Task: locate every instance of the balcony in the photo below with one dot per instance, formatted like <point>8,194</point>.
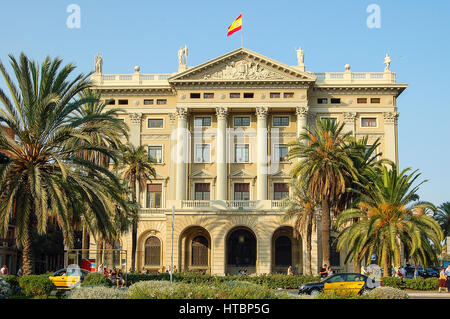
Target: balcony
<point>355,78</point>
<point>225,205</point>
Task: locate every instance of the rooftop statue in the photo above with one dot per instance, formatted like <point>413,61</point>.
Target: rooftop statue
<point>387,61</point>
<point>98,66</point>
<point>300,56</point>
<point>182,56</point>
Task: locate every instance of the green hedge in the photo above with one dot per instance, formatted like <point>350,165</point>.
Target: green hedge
<point>180,290</point>
<point>272,281</point>
<point>13,282</point>
<point>413,284</point>
<point>96,279</point>
<point>37,286</point>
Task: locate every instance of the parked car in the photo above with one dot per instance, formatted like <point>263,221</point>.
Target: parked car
<point>346,282</point>
<point>68,278</point>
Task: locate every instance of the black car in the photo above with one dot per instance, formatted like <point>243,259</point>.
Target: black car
<point>341,281</point>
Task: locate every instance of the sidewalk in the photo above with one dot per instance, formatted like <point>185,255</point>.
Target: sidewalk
<point>414,294</point>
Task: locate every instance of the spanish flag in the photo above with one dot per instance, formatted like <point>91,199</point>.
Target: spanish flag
<point>235,26</point>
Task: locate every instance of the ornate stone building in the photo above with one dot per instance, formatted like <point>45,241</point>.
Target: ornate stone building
<point>218,134</point>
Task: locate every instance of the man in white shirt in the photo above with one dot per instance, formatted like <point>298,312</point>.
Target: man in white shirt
<point>100,269</point>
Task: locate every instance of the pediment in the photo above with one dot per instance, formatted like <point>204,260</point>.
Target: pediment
<point>280,174</point>
<point>241,174</point>
<point>242,65</point>
<point>202,174</point>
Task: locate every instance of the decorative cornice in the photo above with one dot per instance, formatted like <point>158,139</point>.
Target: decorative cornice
<point>262,112</point>
<point>222,113</point>
<point>391,117</point>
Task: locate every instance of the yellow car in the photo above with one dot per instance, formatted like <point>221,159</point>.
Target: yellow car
<point>350,283</point>
<point>68,278</point>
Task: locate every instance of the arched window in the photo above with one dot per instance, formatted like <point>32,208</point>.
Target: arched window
<point>335,256</point>
<point>283,251</point>
<point>199,251</point>
<point>152,251</point>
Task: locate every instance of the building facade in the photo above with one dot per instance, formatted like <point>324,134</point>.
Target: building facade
<point>218,134</point>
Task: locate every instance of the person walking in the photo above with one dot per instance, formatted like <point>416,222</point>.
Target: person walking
<point>447,273</point>
<point>442,280</point>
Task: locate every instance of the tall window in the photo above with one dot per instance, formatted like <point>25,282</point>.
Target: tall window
<point>241,153</point>
<point>242,121</point>
<point>281,121</point>
<point>280,191</point>
<point>199,251</point>
<point>202,191</point>
<point>368,122</point>
<point>335,257</point>
<point>154,194</point>
<point>155,154</point>
<point>155,123</point>
<point>281,152</point>
<point>202,121</point>
<point>241,191</point>
<point>152,251</point>
<point>202,153</point>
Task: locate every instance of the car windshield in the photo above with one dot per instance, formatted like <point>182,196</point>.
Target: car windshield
<point>336,278</point>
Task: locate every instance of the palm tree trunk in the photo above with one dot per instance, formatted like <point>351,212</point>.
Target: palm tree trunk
<point>356,265</point>
<point>134,228</point>
<point>387,261</point>
<point>27,253</point>
<point>85,243</point>
<point>326,225</point>
<point>309,245</point>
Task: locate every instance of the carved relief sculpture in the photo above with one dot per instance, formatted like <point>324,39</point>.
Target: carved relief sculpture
<point>244,70</point>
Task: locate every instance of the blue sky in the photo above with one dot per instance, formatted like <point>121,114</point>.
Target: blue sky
<point>332,34</point>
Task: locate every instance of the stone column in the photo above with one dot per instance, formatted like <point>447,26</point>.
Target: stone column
<point>302,119</point>
<point>135,129</point>
<point>390,136</point>
<point>349,122</point>
<point>221,153</point>
<point>182,153</point>
<point>172,120</point>
<point>261,157</point>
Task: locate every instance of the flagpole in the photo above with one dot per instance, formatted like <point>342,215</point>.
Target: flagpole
<point>242,32</point>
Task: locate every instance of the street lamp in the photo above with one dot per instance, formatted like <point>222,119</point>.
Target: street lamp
<point>4,159</point>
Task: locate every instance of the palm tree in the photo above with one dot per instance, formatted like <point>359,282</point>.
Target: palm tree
<point>323,168</point>
<point>113,130</point>
<point>300,207</point>
<point>389,217</point>
<point>45,176</point>
<point>365,158</point>
<point>442,216</point>
<point>136,167</point>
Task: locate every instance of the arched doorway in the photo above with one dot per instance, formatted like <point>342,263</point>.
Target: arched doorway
<point>286,251</point>
<point>241,251</point>
<point>152,252</point>
<point>195,250</point>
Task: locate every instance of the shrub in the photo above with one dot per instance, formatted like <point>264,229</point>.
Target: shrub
<point>5,289</point>
<point>422,283</point>
<point>96,279</point>
<point>13,282</point>
<point>273,281</point>
<point>393,282</point>
<point>37,286</point>
<point>98,292</point>
<point>387,293</point>
<point>340,295</point>
<point>180,290</point>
